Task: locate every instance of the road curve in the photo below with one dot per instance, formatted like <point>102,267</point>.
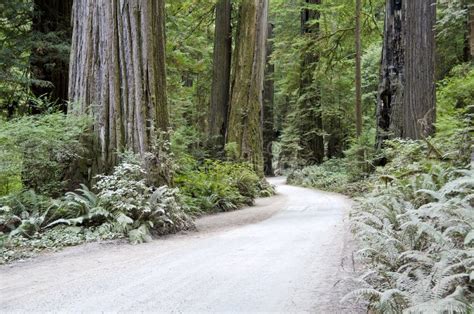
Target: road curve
<point>287,254</point>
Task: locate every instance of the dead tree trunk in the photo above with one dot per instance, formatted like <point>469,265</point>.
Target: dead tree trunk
<point>49,64</point>
<point>245,115</point>
<point>220,92</point>
<point>268,103</point>
<point>406,102</point>
<point>117,74</point>
<point>311,125</point>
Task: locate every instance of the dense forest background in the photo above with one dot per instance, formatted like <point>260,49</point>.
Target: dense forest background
<point>160,111</point>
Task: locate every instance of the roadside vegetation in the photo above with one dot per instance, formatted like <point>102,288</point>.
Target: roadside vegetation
<point>414,216</point>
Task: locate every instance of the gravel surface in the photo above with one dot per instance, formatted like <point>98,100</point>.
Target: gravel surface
<point>289,253</point>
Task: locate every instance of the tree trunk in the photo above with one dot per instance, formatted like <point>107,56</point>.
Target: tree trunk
<point>117,74</point>
<point>471,30</point>
<point>245,115</point>
<point>358,70</point>
<point>268,103</point>
<point>311,123</point>
<point>406,102</point>
<point>220,92</point>
<point>49,64</point>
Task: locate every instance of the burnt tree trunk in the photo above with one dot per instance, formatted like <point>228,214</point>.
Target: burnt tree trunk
<point>220,91</point>
<point>49,60</point>
<point>311,123</point>
<point>268,103</point>
<point>117,74</point>
<point>406,102</point>
<point>246,105</point>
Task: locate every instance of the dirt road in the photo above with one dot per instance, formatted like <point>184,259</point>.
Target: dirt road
<point>287,254</point>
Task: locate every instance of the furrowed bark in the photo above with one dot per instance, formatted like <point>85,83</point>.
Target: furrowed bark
<point>268,103</point>
<point>245,115</point>
<point>406,102</point>
<point>220,92</point>
<point>117,74</point>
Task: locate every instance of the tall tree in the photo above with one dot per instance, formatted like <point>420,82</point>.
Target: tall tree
<point>49,58</point>
<point>406,102</point>
<point>470,25</point>
<point>268,104</point>
<point>311,122</point>
<point>358,71</point>
<point>245,115</point>
<point>117,73</point>
<point>220,92</point>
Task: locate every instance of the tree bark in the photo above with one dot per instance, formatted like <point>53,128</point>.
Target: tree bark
<point>49,64</point>
<point>220,92</point>
<point>311,124</point>
<point>268,103</point>
<point>118,75</point>
<point>358,70</point>
<point>471,31</point>
<point>245,115</point>
<point>406,102</point>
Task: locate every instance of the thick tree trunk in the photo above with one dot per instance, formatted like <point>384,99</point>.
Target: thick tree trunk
<point>245,115</point>
<point>268,103</point>
<point>117,73</point>
<point>49,64</point>
<point>220,92</point>
<point>311,124</point>
<point>406,104</point>
<point>358,70</point>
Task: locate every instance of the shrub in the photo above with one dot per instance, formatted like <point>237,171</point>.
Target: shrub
<point>418,244</point>
<point>215,186</point>
<point>126,204</point>
<point>330,176</point>
<point>38,152</point>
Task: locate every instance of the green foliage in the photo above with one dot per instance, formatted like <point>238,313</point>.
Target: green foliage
<point>331,93</point>
<point>216,186</point>
<point>416,238</point>
<point>39,151</point>
<point>451,33</point>
<point>330,176</point>
<point>127,204</point>
<point>15,42</point>
<point>455,97</point>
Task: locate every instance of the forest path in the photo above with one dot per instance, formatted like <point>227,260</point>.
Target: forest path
<point>287,254</point>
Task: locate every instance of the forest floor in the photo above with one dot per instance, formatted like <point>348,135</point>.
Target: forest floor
<point>289,253</point>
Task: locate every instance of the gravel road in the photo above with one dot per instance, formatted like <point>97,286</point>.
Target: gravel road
<point>287,254</point>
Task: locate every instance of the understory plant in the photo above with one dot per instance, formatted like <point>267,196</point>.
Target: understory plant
<point>122,204</point>
<point>217,186</point>
<point>38,152</point>
<point>415,229</point>
<point>127,204</point>
<point>418,241</point>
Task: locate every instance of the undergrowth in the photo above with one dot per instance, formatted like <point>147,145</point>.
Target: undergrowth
<point>218,186</point>
<point>123,205</point>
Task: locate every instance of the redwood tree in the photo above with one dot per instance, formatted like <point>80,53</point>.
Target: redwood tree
<point>406,102</point>
<point>117,74</point>
<point>311,122</point>
<point>268,103</point>
<point>245,115</point>
<point>49,58</point>
<point>220,92</point>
